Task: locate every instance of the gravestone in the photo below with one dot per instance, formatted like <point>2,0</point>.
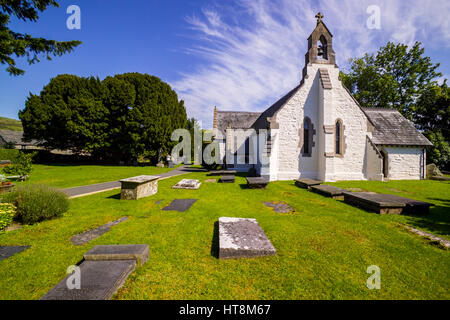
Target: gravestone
<point>104,270</point>
<point>223,173</point>
<point>188,184</point>
<point>227,179</point>
<point>85,237</point>
<point>329,191</point>
<point>181,205</point>
<point>386,203</point>
<point>257,182</point>
<point>307,183</point>
<point>139,187</point>
<point>242,238</point>
<point>138,252</point>
<point>279,207</point>
<point>8,251</point>
<point>99,281</point>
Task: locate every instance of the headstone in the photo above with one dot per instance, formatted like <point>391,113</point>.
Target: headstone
<point>243,238</point>
<point>257,182</point>
<point>189,184</point>
<point>85,237</point>
<point>8,251</point>
<point>279,207</point>
<point>227,179</point>
<point>329,191</point>
<point>386,203</point>
<point>138,252</point>
<point>307,183</point>
<point>139,187</point>
<point>181,205</point>
<point>433,171</point>
<point>99,281</point>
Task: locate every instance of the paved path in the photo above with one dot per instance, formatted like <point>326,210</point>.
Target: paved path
<point>106,186</point>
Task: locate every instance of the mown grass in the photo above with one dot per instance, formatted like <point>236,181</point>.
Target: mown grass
<point>10,124</point>
<point>323,249</point>
<point>68,176</point>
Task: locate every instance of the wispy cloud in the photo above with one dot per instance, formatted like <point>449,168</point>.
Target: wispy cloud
<point>254,49</point>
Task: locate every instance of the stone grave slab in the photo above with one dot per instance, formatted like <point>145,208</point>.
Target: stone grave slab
<point>138,187</point>
<point>307,183</point>
<point>223,173</point>
<point>279,207</point>
<point>329,191</point>
<point>242,238</point>
<point>188,184</point>
<point>181,205</point>
<point>85,237</point>
<point>99,281</point>
<point>257,182</point>
<point>227,179</point>
<point>386,203</point>
<point>210,181</point>
<point>138,252</point>
<point>8,251</point>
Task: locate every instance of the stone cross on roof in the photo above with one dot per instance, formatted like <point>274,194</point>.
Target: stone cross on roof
<point>319,17</point>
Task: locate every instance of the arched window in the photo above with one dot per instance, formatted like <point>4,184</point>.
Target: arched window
<point>339,136</point>
<point>307,137</point>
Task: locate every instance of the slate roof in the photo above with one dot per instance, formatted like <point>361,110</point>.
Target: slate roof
<point>236,120</point>
<point>15,137</point>
<point>391,128</point>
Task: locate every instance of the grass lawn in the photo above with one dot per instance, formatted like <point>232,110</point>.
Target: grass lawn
<point>67,176</point>
<point>323,249</point>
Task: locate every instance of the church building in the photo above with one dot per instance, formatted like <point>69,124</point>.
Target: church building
<point>319,131</point>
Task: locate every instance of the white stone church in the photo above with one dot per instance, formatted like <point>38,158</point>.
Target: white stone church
<point>319,131</point>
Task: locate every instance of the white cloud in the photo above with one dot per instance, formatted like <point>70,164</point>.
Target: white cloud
<point>254,49</point>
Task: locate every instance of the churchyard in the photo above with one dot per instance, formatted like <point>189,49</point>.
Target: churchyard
<point>322,247</point>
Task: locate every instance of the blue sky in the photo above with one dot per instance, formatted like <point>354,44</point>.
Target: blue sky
<point>233,54</point>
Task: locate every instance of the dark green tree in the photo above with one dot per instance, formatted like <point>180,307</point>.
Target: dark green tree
<point>68,114</point>
<point>395,77</point>
<point>120,118</point>
<point>24,45</point>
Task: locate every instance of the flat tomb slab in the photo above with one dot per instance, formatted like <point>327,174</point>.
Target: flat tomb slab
<point>329,191</point>
<point>85,237</point>
<point>227,179</point>
<point>223,173</point>
<point>307,183</point>
<point>181,205</point>
<point>138,252</point>
<point>386,203</point>
<point>8,251</point>
<point>257,182</point>
<point>138,187</point>
<point>279,207</point>
<point>242,238</point>
<point>189,184</point>
<point>99,281</point>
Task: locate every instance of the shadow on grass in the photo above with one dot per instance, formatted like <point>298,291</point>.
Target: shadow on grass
<point>437,221</point>
<point>215,241</point>
<point>115,196</point>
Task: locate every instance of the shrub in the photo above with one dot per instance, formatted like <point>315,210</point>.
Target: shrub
<point>9,154</point>
<point>7,213</point>
<point>36,203</point>
<point>21,166</point>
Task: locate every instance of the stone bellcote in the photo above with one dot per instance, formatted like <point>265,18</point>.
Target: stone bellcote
<point>320,45</point>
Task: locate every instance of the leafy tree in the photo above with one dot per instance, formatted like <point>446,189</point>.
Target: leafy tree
<point>395,77</point>
<point>68,114</point>
<point>20,45</point>
<point>120,118</point>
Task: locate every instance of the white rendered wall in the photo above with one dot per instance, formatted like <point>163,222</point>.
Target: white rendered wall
<point>404,163</point>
